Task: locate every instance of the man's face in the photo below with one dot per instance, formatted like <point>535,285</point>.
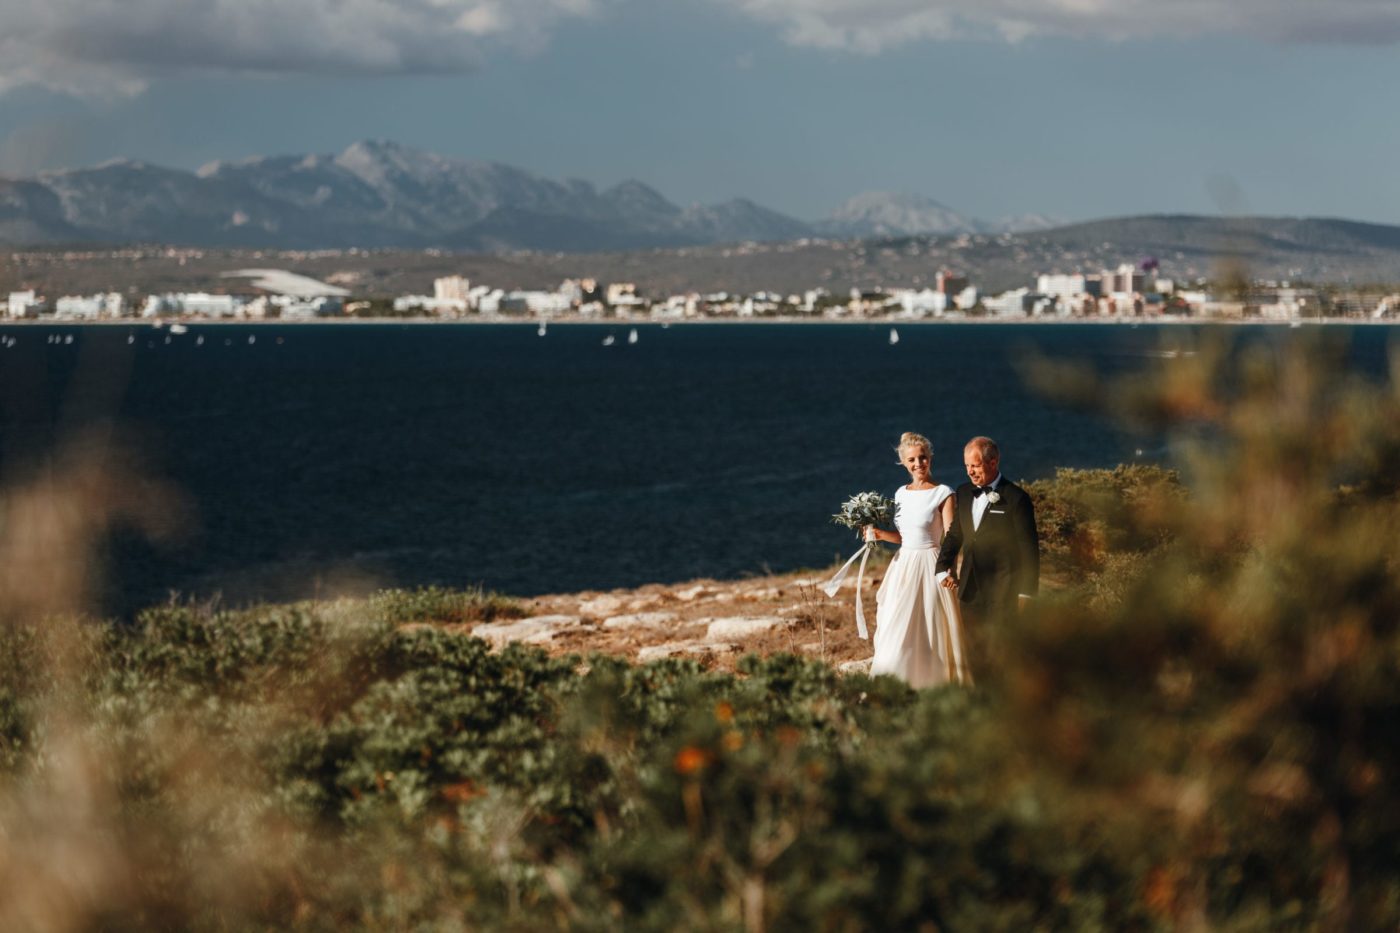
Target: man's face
<point>980,471</point>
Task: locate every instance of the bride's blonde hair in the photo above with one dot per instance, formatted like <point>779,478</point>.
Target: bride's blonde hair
<point>910,439</point>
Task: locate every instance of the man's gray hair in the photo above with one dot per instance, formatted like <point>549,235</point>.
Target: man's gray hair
<point>984,446</point>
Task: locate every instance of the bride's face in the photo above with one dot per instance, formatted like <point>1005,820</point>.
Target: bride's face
<point>918,462</point>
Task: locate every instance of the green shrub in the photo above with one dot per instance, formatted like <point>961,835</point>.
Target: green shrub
<point>1199,729</point>
<point>436,604</point>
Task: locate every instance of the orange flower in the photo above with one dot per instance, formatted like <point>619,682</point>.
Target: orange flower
<point>733,741</point>
<point>691,759</point>
<point>724,712</point>
<point>1159,892</point>
<point>461,793</point>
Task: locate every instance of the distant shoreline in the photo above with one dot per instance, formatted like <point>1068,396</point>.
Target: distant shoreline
<point>704,322</point>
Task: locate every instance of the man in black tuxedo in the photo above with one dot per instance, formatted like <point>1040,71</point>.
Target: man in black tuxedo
<point>994,531</point>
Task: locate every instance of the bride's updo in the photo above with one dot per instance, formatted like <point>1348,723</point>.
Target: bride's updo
<point>910,439</point>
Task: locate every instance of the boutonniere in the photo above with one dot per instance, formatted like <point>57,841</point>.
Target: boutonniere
<point>993,497</point>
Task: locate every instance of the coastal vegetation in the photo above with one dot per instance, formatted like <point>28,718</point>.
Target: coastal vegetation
<point>1197,726</point>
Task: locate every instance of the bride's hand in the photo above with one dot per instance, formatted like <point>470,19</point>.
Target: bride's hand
<point>870,534</point>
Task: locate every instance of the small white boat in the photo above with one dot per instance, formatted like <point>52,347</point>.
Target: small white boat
<point>894,336</point>
<point>179,329</point>
<point>609,340</point>
<point>632,335</point>
<point>544,328</point>
<point>199,341</point>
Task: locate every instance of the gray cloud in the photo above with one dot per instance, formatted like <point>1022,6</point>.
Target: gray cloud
<point>118,46</point>
<point>872,25</point>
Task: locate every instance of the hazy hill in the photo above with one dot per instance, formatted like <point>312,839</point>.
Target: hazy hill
<point>1187,247</point>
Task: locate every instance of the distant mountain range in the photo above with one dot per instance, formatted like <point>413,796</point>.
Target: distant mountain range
<point>381,194</point>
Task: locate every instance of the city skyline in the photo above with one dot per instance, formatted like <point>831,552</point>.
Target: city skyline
<point>993,110</point>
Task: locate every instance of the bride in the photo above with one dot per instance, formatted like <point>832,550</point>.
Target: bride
<point>918,626</point>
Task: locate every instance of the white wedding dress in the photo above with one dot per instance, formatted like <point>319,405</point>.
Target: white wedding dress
<point>918,625</point>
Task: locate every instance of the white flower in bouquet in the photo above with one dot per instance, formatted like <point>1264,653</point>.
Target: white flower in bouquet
<point>865,508</point>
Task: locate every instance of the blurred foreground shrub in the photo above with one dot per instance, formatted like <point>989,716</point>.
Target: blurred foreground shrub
<point>1200,729</point>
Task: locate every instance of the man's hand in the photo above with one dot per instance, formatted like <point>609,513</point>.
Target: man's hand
<point>950,582</point>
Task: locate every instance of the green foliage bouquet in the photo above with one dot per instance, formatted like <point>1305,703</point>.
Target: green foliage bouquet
<point>865,508</point>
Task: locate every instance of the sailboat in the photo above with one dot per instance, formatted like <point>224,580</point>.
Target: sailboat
<point>544,328</point>
<point>609,340</point>
<point>632,335</point>
<point>894,336</point>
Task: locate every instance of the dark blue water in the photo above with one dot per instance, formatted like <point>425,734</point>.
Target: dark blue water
<point>319,459</point>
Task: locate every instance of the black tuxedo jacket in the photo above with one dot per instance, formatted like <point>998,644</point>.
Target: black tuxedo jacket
<point>1001,557</point>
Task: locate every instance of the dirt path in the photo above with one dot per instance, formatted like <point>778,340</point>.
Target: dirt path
<point>713,622</point>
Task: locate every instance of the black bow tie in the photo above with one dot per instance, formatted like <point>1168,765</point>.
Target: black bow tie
<point>981,491</point>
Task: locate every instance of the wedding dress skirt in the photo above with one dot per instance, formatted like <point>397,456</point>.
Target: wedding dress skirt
<point>918,624</point>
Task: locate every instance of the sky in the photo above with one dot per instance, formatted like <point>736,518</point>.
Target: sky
<point>1075,109</point>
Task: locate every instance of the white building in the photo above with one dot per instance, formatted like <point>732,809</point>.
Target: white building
<point>202,304</point>
<point>488,303</point>
<point>90,307</point>
<point>968,298</point>
<point>1069,286</point>
<point>1015,303</point>
<point>623,293</point>
<point>536,302</point>
<point>294,309</point>
<point>24,304</point>
<point>452,288</point>
<point>922,303</point>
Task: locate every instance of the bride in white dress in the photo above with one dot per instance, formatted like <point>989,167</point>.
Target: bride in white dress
<point>918,625</point>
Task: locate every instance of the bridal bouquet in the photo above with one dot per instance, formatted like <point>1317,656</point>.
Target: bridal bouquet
<point>864,508</point>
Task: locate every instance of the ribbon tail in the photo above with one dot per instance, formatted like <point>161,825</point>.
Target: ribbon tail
<point>861,630</point>
<point>830,587</point>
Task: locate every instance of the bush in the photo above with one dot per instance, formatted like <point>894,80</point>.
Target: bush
<point>1201,728</point>
<point>436,604</point>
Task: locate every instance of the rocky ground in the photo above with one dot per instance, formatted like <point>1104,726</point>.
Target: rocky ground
<point>713,622</point>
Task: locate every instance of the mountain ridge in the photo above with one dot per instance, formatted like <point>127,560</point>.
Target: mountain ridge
<point>378,193</point>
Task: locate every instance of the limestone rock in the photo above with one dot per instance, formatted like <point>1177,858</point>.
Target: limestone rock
<point>533,631</point>
<point>665,650</point>
<point>859,666</point>
<point>741,627</point>
<point>672,649</point>
<point>640,620</point>
<point>601,607</point>
<point>691,593</point>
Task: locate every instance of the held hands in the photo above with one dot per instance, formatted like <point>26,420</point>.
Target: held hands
<point>950,582</point>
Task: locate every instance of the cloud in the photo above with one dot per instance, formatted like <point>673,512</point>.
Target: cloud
<point>118,46</point>
<point>872,25</point>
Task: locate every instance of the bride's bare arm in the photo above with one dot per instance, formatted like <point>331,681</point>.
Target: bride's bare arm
<point>893,537</point>
<point>949,509</point>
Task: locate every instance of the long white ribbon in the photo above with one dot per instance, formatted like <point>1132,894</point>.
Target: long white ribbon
<point>830,587</point>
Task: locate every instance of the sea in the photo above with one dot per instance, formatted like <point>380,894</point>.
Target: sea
<point>291,461</point>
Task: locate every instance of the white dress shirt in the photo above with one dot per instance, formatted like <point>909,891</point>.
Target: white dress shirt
<point>980,503</point>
